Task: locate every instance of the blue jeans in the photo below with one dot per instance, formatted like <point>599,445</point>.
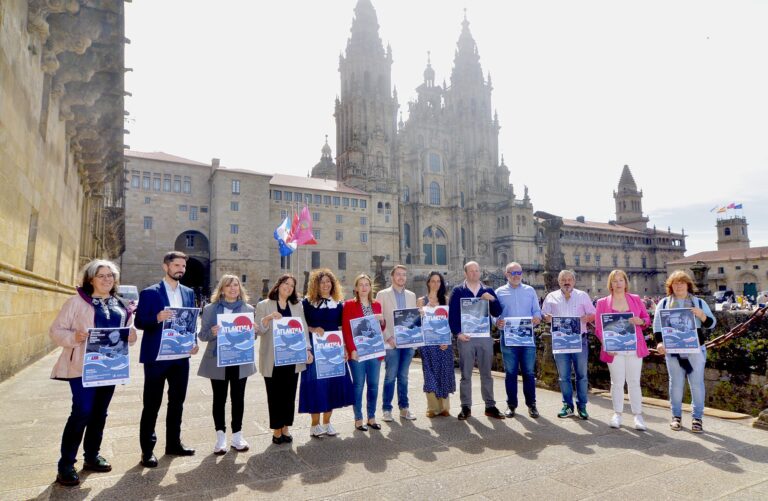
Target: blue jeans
<point>89,413</point>
<point>677,377</point>
<point>578,361</point>
<point>525,358</point>
<point>397,362</point>
<point>362,371</point>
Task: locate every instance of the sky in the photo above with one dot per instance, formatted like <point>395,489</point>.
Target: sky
<point>677,90</point>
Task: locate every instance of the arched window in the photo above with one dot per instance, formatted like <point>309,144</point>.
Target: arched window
<point>380,208</point>
<point>727,231</point>
<point>406,194</point>
<point>407,235</point>
<point>434,193</point>
<point>462,199</point>
<point>435,246</point>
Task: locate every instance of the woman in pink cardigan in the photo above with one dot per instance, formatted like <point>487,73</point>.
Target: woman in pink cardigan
<point>624,366</point>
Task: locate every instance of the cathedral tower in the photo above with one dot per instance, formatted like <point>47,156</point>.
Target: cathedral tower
<point>732,233</point>
<point>629,202</point>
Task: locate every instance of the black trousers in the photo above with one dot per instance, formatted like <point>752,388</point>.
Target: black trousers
<point>281,396</point>
<point>236,394</point>
<point>176,372</point>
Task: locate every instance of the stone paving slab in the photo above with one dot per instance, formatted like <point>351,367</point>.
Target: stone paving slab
<point>480,459</point>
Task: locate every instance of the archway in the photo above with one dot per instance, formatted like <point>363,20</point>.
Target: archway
<point>195,245</point>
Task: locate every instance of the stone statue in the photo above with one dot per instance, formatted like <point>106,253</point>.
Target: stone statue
<point>554,259</point>
<point>700,270</point>
<point>379,282</point>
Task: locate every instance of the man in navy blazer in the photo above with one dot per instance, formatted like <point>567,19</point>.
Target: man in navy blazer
<point>150,315</point>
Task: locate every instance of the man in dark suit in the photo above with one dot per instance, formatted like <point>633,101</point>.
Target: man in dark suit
<point>150,316</point>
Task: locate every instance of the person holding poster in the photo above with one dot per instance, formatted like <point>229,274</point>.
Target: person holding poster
<point>151,314</point>
<point>518,300</point>
<point>96,305</point>
<point>368,371</point>
<point>280,380</point>
<point>474,349</point>
<point>624,365</point>
<point>323,311</point>
<point>680,289</point>
<point>397,361</point>
<point>571,302</point>
<point>437,360</point>
<point>229,297</point>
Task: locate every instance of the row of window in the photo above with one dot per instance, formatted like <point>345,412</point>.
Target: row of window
<point>615,259</point>
<point>341,261</point>
<point>154,181</point>
<point>316,218</point>
<point>309,198</point>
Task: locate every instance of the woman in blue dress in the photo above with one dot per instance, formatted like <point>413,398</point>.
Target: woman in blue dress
<point>322,310</point>
<point>437,361</point>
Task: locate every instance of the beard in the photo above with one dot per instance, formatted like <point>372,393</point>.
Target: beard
<point>175,276</point>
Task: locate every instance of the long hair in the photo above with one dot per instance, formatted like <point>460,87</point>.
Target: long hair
<point>226,281</point>
<point>92,269</point>
<point>274,294</point>
<point>617,274</point>
<point>441,289</point>
<point>363,276</point>
<point>679,276</point>
<point>313,293</point>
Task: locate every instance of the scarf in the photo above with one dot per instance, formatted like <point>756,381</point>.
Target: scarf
<point>234,306</point>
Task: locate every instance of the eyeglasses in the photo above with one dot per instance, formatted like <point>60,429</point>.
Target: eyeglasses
<point>514,273</point>
<point>108,276</point>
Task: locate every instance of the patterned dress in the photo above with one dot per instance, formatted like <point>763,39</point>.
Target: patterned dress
<point>437,365</point>
<point>324,395</point>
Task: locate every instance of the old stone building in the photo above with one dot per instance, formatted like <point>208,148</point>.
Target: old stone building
<point>61,165</point>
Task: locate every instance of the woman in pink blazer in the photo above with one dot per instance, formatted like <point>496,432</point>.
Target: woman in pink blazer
<point>624,366</point>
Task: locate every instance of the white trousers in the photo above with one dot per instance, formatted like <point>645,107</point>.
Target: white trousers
<point>626,368</point>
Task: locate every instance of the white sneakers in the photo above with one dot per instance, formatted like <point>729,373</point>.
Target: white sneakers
<point>616,420</point>
<point>317,430</point>
<point>639,423</point>
<point>330,430</point>
<point>221,443</point>
<point>406,414</point>
<point>387,416</point>
<point>239,443</point>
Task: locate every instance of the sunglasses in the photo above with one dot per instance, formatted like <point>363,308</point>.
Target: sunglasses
<point>514,273</point>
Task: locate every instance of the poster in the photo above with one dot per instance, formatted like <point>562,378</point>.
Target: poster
<point>618,333</point>
<point>678,330</point>
<point>518,331</point>
<point>408,333</point>
<point>106,361</point>
<point>236,338</point>
<point>329,355</point>
<point>566,335</point>
<point>435,326</point>
<point>475,320</point>
<point>179,334</point>
<point>369,341</point>
<point>289,341</point>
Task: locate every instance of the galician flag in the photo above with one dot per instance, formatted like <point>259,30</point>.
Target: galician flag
<point>283,236</point>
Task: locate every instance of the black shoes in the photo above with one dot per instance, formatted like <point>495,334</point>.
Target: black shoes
<point>68,477</point>
<point>493,412</point>
<point>179,450</point>
<point>510,412</point>
<point>99,465</point>
<point>465,413</point>
<point>282,439</point>
<point>149,460</point>
<point>533,412</point>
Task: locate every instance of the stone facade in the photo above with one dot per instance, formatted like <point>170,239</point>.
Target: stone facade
<point>61,143</point>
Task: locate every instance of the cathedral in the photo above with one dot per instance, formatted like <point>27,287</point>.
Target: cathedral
<point>443,191</point>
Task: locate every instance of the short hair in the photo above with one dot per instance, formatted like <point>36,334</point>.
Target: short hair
<point>563,273</point>
<point>170,256</point>
<point>679,276</point>
<point>471,262</point>
<point>274,293</point>
<point>616,274</point>
<point>441,289</point>
<point>397,267</point>
<point>225,281</point>
<point>512,264</point>
<point>313,292</point>
<point>91,269</point>
<point>363,276</point>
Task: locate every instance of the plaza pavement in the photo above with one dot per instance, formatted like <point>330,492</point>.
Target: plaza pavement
<point>440,458</point>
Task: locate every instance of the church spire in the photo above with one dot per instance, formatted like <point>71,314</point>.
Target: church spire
<point>466,62</point>
<point>629,202</point>
<point>365,30</point>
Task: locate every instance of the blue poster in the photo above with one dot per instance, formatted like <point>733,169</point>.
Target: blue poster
<point>518,331</point>
<point>475,319</point>
<point>179,334</point>
<point>408,333</point>
<point>106,361</point>
<point>435,326</point>
<point>290,342</point>
<point>618,333</point>
<point>566,335</point>
<point>234,343</point>
<point>329,355</point>
<point>678,330</point>
<point>369,341</point>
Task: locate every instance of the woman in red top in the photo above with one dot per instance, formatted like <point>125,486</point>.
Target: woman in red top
<point>363,305</point>
<point>626,365</point>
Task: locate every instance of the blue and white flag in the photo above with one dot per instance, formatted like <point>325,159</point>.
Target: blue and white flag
<point>282,235</point>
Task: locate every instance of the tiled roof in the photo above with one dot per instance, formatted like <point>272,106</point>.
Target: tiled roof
<point>161,157</point>
<point>313,183</point>
<point>725,255</point>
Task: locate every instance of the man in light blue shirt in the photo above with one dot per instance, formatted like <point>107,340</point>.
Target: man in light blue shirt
<point>518,300</point>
